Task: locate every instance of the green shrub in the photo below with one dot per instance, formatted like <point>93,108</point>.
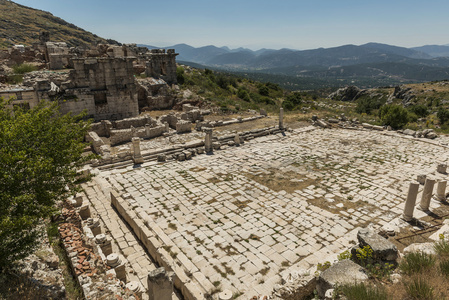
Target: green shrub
<point>419,110</point>
<point>360,291</point>
<point>367,105</point>
<point>243,94</point>
<point>292,101</point>
<point>415,262</point>
<point>444,267</point>
<point>394,115</point>
<point>442,247</point>
<point>180,75</point>
<point>419,289</point>
<point>443,115</point>
<point>24,68</point>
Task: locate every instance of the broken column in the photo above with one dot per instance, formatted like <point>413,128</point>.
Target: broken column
<point>237,139</point>
<point>160,284</point>
<point>441,168</point>
<point>281,118</point>
<point>135,288</point>
<point>137,156</point>
<point>105,244</point>
<point>427,194</point>
<point>84,212</point>
<point>441,190</point>
<point>113,260</point>
<point>411,201</point>
<point>94,225</point>
<point>208,140</point>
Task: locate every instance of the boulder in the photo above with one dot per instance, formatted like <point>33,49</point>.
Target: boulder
<point>427,248</point>
<point>409,132</point>
<point>343,272</point>
<point>383,249</point>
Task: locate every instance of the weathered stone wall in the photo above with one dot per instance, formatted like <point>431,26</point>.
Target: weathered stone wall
<point>95,140</point>
<point>105,87</point>
<point>162,64</point>
<point>183,126</point>
<point>135,122</point>
<point>125,135</point>
<point>26,97</point>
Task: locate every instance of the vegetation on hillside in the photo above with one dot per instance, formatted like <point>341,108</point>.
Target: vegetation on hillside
<point>21,25</point>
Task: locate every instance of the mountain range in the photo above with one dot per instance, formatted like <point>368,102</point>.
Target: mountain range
<point>382,63</point>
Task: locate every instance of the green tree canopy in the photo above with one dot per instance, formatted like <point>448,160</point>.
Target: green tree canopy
<point>40,151</point>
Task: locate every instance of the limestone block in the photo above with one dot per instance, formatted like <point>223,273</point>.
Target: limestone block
<point>84,212</point>
<point>161,158</point>
<point>383,249</point>
<point>420,247</point>
<point>441,168</point>
<point>160,284</point>
<point>421,178</point>
<point>343,272</point>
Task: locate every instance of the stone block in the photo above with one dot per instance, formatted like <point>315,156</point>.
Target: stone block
<point>343,272</point>
<point>383,249</point>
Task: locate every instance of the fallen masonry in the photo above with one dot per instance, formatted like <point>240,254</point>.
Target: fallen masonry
<point>256,219</point>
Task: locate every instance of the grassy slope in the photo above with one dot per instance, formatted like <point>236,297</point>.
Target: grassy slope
<point>21,25</point>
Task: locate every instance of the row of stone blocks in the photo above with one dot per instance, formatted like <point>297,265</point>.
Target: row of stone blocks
<point>427,193</point>
<point>103,242</point>
<point>187,279</point>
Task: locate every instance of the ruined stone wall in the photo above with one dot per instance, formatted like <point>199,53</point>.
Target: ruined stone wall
<point>105,87</point>
<point>135,122</point>
<point>23,97</point>
<point>162,64</point>
<point>125,135</point>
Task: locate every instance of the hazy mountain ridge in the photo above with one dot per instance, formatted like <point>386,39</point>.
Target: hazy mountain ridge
<point>380,62</point>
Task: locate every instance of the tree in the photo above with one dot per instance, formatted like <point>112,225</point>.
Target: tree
<point>443,115</point>
<point>292,101</point>
<point>394,115</point>
<point>40,151</point>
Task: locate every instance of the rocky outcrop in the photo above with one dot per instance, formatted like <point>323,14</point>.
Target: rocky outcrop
<point>350,93</point>
<point>404,93</point>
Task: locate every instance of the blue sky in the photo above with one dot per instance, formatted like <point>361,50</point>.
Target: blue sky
<point>258,24</point>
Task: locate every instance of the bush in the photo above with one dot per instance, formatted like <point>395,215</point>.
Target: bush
<point>264,91</point>
<point>180,75</point>
<point>243,94</point>
<point>419,289</point>
<point>367,105</point>
<point>24,68</point>
<point>419,110</point>
<point>360,291</point>
<point>394,115</point>
<point>443,115</point>
<point>415,262</point>
<point>292,101</point>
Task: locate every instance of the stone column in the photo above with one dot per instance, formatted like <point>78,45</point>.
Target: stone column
<point>160,284</point>
<point>237,139</point>
<point>225,295</point>
<point>137,156</point>
<point>411,201</point>
<point>114,261</point>
<point>441,190</point>
<point>208,140</point>
<point>281,118</point>
<point>427,194</point>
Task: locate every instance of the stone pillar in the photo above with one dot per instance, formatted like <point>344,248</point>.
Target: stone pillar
<point>135,288</point>
<point>441,168</point>
<point>105,243</point>
<point>237,139</point>
<point>441,190</point>
<point>411,201</point>
<point>281,118</point>
<point>427,194</point>
<point>113,260</point>
<point>208,140</point>
<point>167,127</point>
<point>137,156</point>
<point>421,178</point>
<point>84,212</point>
<point>94,225</point>
<point>160,284</point>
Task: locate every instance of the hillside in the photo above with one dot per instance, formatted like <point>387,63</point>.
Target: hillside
<point>21,25</point>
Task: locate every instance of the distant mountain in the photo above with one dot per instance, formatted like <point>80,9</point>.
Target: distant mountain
<point>434,50</point>
<point>374,62</point>
<point>21,25</point>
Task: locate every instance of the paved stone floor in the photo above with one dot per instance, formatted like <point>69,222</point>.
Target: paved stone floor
<point>245,214</point>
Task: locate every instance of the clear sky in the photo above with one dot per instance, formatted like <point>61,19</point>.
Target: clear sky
<point>258,24</point>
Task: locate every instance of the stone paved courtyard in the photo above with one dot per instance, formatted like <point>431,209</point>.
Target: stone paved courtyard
<point>242,217</point>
